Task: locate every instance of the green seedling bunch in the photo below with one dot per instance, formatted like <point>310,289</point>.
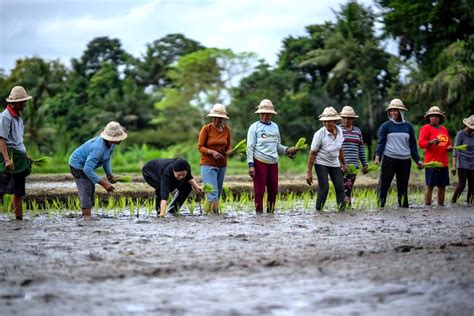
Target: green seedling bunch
<point>124,179</point>
<point>301,144</point>
<point>207,188</point>
<point>240,148</point>
<point>433,164</point>
<point>40,162</point>
<point>460,147</point>
<point>352,169</point>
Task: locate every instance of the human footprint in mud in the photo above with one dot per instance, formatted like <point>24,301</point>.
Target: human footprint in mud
<point>91,155</point>
<point>167,175</point>
<point>15,166</point>
<point>263,150</point>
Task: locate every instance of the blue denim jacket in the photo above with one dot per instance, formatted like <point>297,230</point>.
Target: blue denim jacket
<point>91,155</point>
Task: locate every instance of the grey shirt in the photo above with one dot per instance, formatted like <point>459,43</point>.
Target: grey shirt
<point>11,130</point>
<point>465,159</point>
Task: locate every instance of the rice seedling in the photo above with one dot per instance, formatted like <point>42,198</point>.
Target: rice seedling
<point>433,164</point>
<point>124,179</point>
<point>460,147</point>
<point>149,206</point>
<point>301,144</point>
<point>240,148</point>
<point>352,169</point>
<point>40,162</point>
<point>207,188</point>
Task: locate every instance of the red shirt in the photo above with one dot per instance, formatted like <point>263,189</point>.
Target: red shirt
<point>435,152</point>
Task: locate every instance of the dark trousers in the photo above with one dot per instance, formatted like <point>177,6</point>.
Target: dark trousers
<point>394,167</point>
<point>322,172</point>
<point>463,176</point>
<point>183,192</point>
<point>266,175</point>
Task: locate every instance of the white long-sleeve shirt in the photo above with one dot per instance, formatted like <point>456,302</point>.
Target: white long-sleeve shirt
<point>264,143</point>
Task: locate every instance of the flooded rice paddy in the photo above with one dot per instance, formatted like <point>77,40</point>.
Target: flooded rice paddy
<point>416,261</point>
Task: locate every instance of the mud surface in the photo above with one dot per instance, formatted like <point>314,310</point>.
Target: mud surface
<point>395,262</point>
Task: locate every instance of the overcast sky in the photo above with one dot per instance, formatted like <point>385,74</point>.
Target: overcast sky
<point>61,29</point>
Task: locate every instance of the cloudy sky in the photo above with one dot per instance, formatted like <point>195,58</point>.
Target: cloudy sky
<point>61,29</point>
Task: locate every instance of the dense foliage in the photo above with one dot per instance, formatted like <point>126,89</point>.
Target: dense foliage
<point>162,97</point>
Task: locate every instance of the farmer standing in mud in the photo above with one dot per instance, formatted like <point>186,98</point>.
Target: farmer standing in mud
<point>214,146</point>
<point>396,143</point>
<point>327,157</point>
<point>16,166</point>
<point>167,175</point>
<point>91,155</point>
<point>463,161</point>
<point>353,148</point>
<point>263,148</point>
<point>435,141</point>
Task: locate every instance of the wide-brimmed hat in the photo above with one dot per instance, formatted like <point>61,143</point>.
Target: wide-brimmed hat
<point>266,106</point>
<point>469,121</point>
<point>114,132</point>
<point>329,114</point>
<point>348,111</point>
<point>434,110</point>
<point>396,104</point>
<point>18,94</point>
<point>218,110</point>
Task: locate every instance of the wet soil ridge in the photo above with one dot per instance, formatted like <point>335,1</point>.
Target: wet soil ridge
<point>44,190</point>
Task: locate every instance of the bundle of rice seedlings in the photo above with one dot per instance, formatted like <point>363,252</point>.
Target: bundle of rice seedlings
<point>240,148</point>
<point>460,147</point>
<point>351,169</point>
<point>207,188</point>
<point>39,162</point>
<point>373,168</point>
<point>433,164</point>
<point>124,179</point>
<point>301,144</point>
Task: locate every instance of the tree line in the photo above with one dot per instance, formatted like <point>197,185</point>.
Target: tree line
<point>163,96</point>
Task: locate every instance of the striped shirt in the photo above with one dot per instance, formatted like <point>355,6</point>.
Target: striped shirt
<point>353,146</point>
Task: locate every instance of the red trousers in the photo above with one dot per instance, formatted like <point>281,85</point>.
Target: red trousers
<point>265,175</point>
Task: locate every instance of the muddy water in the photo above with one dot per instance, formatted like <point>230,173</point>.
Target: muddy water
<point>410,262</point>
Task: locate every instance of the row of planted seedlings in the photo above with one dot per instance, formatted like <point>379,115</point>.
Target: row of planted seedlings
<point>113,205</point>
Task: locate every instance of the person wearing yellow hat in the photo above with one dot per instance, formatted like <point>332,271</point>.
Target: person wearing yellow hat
<point>95,153</point>
<point>463,161</point>
<point>215,147</point>
<point>15,166</point>
<point>327,158</point>
<point>263,150</point>
<point>435,141</point>
<point>396,144</point>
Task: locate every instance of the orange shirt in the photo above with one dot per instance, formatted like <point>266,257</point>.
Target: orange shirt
<point>211,138</point>
<point>435,152</point>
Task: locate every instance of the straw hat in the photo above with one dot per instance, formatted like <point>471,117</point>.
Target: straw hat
<point>469,122</point>
<point>396,104</point>
<point>114,132</point>
<point>266,106</point>
<point>18,94</point>
<point>434,110</point>
<point>348,111</point>
<point>329,114</point>
<point>218,110</point>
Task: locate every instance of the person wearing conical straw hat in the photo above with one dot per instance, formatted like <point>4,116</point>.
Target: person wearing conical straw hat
<point>327,157</point>
<point>353,148</point>
<point>15,165</point>
<point>215,147</point>
<point>435,141</point>
<point>463,161</point>
<point>263,150</point>
<point>396,144</point>
<point>95,153</point>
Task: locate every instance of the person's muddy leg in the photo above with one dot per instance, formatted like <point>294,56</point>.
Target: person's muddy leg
<point>86,212</point>
<point>441,195</point>
<point>387,172</point>
<point>403,176</point>
<point>337,181</point>
<point>470,186</point>
<point>429,195</point>
<point>462,178</point>
<point>272,187</point>
<point>259,182</point>
<point>323,185</point>
<point>18,206</point>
